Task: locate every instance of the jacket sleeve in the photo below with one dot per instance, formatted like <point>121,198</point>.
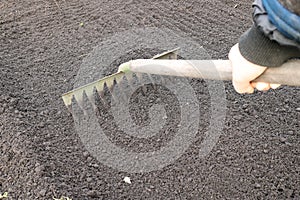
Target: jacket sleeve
<point>263,44</point>
<point>261,50</point>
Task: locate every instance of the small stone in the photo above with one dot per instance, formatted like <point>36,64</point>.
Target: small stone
<point>290,132</point>
<point>289,144</point>
<point>244,105</point>
<point>13,101</point>
<point>85,154</point>
<point>46,143</point>
<point>89,159</point>
<point>257,185</point>
<point>92,194</point>
<point>95,165</point>
<point>298,109</point>
<point>39,169</point>
<point>89,180</point>
<point>43,192</point>
<point>41,125</point>
<point>266,151</point>
<point>283,139</point>
<point>127,180</point>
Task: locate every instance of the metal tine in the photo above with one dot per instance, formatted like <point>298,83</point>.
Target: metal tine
<point>88,100</point>
<point>140,79</point>
<point>100,87</point>
<point>129,78</point>
<point>117,91</point>
<point>69,107</point>
<point>118,80</point>
<point>100,91</point>
<point>102,96</point>
<point>163,81</point>
<point>120,84</point>
<point>109,84</point>
<point>157,80</point>
<point>89,91</point>
<point>67,100</point>
<point>100,100</point>
<point>78,95</point>
<point>79,102</point>
<point>152,81</point>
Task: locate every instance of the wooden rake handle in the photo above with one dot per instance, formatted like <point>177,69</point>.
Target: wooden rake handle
<point>287,74</point>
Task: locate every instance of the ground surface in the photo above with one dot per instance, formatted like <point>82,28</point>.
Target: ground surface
<point>42,48</point>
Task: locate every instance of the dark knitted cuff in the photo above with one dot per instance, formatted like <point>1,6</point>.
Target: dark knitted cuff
<point>259,49</point>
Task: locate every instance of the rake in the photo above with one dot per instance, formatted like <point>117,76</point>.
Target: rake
<point>167,64</point>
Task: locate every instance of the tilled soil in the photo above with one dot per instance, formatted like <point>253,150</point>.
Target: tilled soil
<point>43,45</point>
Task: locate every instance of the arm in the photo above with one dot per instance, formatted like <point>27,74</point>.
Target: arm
<point>260,47</point>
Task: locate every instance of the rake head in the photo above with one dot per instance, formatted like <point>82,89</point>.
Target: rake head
<point>107,83</point>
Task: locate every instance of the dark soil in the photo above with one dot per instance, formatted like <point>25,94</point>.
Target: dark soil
<point>42,48</point>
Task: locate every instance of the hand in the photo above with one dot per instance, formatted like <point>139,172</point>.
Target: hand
<point>243,72</point>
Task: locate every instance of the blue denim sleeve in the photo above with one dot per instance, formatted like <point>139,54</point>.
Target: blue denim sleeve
<point>263,20</point>
<point>286,22</point>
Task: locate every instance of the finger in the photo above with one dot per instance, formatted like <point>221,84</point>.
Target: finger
<point>275,86</point>
<point>243,87</point>
<point>261,86</point>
